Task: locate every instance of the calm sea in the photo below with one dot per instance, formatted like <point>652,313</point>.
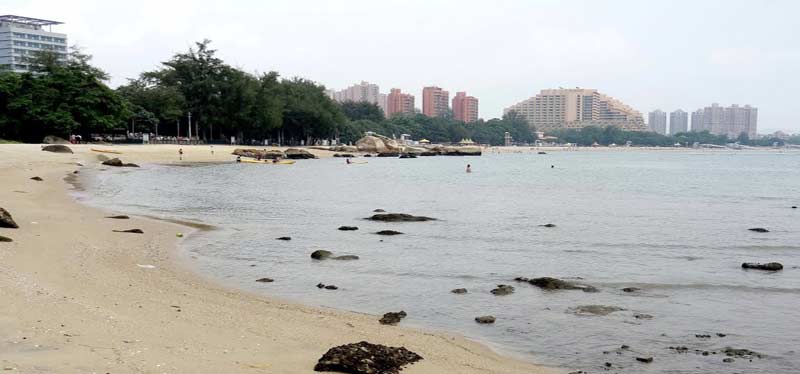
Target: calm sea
<point>674,224</point>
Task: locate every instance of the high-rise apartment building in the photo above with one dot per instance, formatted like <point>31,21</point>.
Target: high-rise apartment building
<point>21,38</point>
<point>399,103</point>
<point>435,101</point>
<point>360,92</point>
<point>730,121</point>
<point>657,121</point>
<point>678,122</point>
<point>577,108</point>
<point>465,108</point>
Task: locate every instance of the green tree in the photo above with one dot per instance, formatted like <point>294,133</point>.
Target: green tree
<point>358,110</point>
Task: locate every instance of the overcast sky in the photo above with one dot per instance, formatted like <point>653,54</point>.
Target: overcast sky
<point>652,55</point>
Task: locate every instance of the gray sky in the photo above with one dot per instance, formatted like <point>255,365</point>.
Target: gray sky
<point>652,55</point>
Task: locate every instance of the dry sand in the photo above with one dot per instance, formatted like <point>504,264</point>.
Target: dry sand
<point>76,300</point>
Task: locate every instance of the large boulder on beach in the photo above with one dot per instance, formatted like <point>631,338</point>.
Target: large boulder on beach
<point>399,217</point>
<point>52,139</point>
<point>366,358</point>
<point>374,144</point>
<point>460,151</point>
<point>770,266</point>
<point>6,220</point>
<point>118,163</point>
<point>258,153</point>
<point>56,148</point>
<point>344,148</point>
<point>298,154</point>
<point>549,283</point>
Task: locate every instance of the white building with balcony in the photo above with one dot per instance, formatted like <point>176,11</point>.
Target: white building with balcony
<point>22,37</point>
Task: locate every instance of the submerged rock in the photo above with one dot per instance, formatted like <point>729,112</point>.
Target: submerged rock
<point>771,266</point>
<point>348,228</point>
<point>392,318</point>
<point>284,238</point>
<point>459,291</point>
<point>366,358</point>
<point>595,310</point>
<point>56,148</point>
<point>631,289</point>
<point>399,217</point>
<point>549,283</point>
<point>758,229</point>
<point>646,360</point>
<point>345,258</point>
<point>6,220</point>
<point>379,211</point>
<point>548,225</point>
<point>744,353</point>
<point>502,290</point>
<point>265,280</point>
<point>321,254</point>
<point>118,163</point>
<point>132,231</point>
<point>389,232</point>
<point>485,319</point>
<point>642,316</point>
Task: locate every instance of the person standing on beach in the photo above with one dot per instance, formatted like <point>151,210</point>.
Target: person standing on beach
<point>469,168</point>
<point>180,154</point>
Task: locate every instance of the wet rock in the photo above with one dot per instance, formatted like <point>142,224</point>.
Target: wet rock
<point>502,290</point>
<point>331,287</point>
<point>388,154</point>
<point>743,353</point>
<point>119,217</point>
<point>771,266</point>
<point>118,163</point>
<point>38,179</point>
<point>485,319</point>
<point>728,360</point>
<point>646,360</point>
<point>56,148</point>
<point>721,335</point>
<point>548,225</point>
<point>389,232</point>
<point>258,153</point>
<point>348,228</point>
<point>346,155</point>
<point>702,336</point>
<point>459,291</point>
<point>624,347</point>
<point>4,239</point>
<point>594,310</point>
<point>132,231</point>
<point>345,258</point>
<point>265,280</point>
<point>399,217</point>
<point>298,154</point>
<point>321,254</point>
<point>366,358</point>
<point>379,211</point>
<point>794,206</point>
<point>522,279</point>
<point>631,289</point>
<point>608,364</point>
<point>549,283</point>
<point>758,229</point>
<point>6,220</point>
<point>75,172</point>
<point>681,349</point>
<point>284,238</point>
<point>392,318</point>
<point>642,316</point>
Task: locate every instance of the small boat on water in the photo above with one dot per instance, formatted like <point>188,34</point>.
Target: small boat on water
<point>106,151</point>
<point>268,162</point>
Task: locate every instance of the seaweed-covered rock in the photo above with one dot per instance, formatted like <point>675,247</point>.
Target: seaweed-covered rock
<point>502,290</point>
<point>6,220</point>
<point>485,319</point>
<point>392,318</point>
<point>366,358</point>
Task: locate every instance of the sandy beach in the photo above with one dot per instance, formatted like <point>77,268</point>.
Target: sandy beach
<point>80,298</point>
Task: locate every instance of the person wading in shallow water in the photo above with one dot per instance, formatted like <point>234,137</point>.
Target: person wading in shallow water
<point>180,154</point>
<point>469,168</point>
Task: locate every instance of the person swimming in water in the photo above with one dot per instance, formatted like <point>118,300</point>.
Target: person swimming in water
<point>348,161</point>
<point>469,168</point>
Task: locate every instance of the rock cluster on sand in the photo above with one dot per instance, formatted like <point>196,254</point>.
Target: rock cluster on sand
<point>366,358</point>
<point>374,144</point>
<point>485,319</point>
<point>6,220</point>
<point>549,283</point>
<point>56,148</point>
<point>771,266</point>
<point>502,290</point>
<point>399,217</point>
<point>392,318</point>
<point>118,163</point>
<point>258,153</point>
<point>322,254</point>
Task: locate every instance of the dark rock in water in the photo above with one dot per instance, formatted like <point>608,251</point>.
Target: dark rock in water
<point>548,225</point>
<point>541,153</point>
<point>345,258</point>
<point>721,335</point>
<point>6,220</point>
<point>399,217</point>
<point>642,316</point>
<point>378,211</point>
<point>389,232</point>
<point>132,231</point>
<point>298,154</point>
<point>702,336</point>
<point>522,279</point>
<point>389,154</point>
<point>459,291</point>
<point>56,148</point>
<point>595,310</point>
<point>75,172</point>
<point>331,287</point>
<point>771,266</point>
<point>728,360</point>
<point>321,254</point>
<point>392,318</point>
<point>118,163</point>
<point>367,155</point>
<point>485,319</point>
<point>794,206</point>
<point>631,289</point>
<point>744,353</point>
<point>646,360</point>
<point>503,289</point>
<point>320,285</point>
<point>285,238</point>
<point>265,280</point>
<point>38,179</point>
<point>119,217</point>
<point>408,155</point>
<point>346,155</point>
<point>624,347</point>
<point>758,229</point>
<point>4,239</point>
<point>549,283</point>
<point>366,358</point>
<point>348,228</point>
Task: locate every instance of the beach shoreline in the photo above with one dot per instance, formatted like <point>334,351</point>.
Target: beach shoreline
<point>82,298</point>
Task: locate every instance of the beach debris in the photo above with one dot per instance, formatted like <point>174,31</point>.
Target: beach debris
<point>132,231</point>
<point>758,229</point>
<point>284,238</point>
<point>366,358</point>
<point>770,266</point>
<point>118,163</point>
<point>646,360</point>
<point>379,211</point>
<point>6,220</point>
<point>594,310</point>
<point>298,154</point>
<point>485,319</point>
<point>502,290</point>
<point>37,178</point>
<point>4,239</point>
<point>56,148</point>
<point>459,291</point>
<point>549,283</point>
<point>146,266</point>
<point>322,254</point>
<point>348,228</point>
<point>631,289</point>
<point>548,225</point>
<point>265,280</point>
<point>180,234</point>
<point>392,318</point>
<point>119,217</point>
<point>389,232</point>
<point>327,287</point>
<point>399,217</point>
